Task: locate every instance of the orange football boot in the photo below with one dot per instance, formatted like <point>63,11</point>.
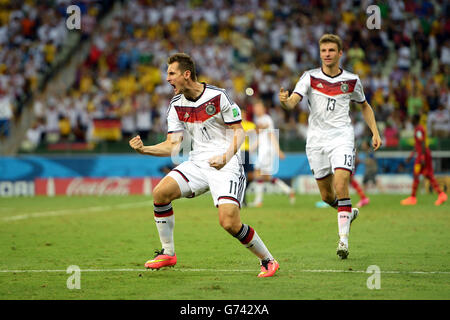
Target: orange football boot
<point>441,199</point>
<point>410,201</point>
<point>161,260</point>
<point>268,268</point>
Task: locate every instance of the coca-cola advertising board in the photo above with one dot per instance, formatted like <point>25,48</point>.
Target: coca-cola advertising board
<point>94,186</point>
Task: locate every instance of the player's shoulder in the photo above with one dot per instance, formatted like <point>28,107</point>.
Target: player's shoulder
<point>219,90</point>
<point>348,74</point>
<point>314,71</point>
<point>175,99</point>
<point>210,87</point>
<point>310,72</point>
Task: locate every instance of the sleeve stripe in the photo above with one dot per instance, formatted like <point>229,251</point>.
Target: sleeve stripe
<point>234,122</point>
<point>181,130</point>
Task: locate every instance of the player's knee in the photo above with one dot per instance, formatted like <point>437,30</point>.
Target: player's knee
<point>228,226</point>
<point>161,195</point>
<point>231,225</point>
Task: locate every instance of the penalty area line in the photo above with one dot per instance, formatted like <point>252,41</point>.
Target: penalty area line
<point>224,270</point>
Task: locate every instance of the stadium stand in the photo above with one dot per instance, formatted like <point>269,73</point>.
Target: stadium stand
<point>120,88</point>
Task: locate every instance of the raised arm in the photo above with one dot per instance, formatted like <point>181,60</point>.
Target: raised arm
<point>164,149</point>
<point>369,117</point>
<point>288,102</point>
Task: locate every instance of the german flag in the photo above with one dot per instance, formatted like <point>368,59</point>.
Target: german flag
<point>107,129</point>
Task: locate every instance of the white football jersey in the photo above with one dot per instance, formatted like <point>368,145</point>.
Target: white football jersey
<point>207,121</point>
<point>329,104</point>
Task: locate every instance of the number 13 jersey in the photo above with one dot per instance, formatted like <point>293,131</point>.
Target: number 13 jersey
<point>329,104</point>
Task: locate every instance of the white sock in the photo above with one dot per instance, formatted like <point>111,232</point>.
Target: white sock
<point>344,217</point>
<point>251,240</point>
<point>165,222</point>
<point>259,191</point>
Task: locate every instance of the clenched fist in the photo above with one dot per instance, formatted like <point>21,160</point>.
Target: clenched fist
<point>283,95</point>
<point>136,143</point>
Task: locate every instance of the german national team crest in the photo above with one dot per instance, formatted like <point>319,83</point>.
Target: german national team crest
<point>210,109</point>
<point>344,87</point>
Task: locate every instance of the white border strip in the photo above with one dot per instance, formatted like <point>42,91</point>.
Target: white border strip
<point>226,270</point>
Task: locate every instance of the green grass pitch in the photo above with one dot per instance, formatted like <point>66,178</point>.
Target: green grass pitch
<point>110,238</point>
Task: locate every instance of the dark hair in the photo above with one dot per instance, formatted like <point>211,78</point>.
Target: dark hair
<point>415,119</point>
<point>185,63</point>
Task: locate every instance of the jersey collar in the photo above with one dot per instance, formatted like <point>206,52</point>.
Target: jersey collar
<point>332,76</point>
<point>196,99</point>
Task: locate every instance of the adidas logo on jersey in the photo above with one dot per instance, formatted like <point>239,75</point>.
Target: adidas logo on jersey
<point>320,85</point>
<point>186,115</point>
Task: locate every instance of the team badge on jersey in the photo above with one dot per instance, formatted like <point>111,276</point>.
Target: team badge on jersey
<point>344,87</point>
<point>210,109</point>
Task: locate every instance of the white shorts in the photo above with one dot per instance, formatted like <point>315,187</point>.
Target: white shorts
<point>324,160</point>
<point>227,185</point>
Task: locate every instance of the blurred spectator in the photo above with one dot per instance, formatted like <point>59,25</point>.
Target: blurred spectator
<point>438,122</point>
<point>390,134</point>
<point>33,137</point>
<point>6,114</point>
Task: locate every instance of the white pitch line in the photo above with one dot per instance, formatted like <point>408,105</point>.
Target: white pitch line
<point>226,270</point>
<point>64,212</point>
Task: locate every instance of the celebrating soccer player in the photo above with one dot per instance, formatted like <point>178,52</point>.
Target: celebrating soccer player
<point>330,140</point>
<point>208,115</point>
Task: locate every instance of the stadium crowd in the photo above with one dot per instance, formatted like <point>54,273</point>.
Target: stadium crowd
<point>32,34</point>
<point>252,48</point>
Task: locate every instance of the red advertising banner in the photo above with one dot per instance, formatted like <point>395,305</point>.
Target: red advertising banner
<point>94,186</point>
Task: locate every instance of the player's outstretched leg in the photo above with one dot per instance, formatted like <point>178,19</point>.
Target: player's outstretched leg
<point>442,197</point>
<point>251,240</point>
<point>165,222</point>
<point>230,220</point>
<point>163,194</point>
<point>412,200</point>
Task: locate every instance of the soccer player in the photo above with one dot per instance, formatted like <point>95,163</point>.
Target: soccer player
<point>330,139</point>
<point>422,165</point>
<point>213,122</point>
<point>268,151</point>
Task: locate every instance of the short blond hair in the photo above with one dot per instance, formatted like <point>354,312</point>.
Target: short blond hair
<point>333,38</point>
